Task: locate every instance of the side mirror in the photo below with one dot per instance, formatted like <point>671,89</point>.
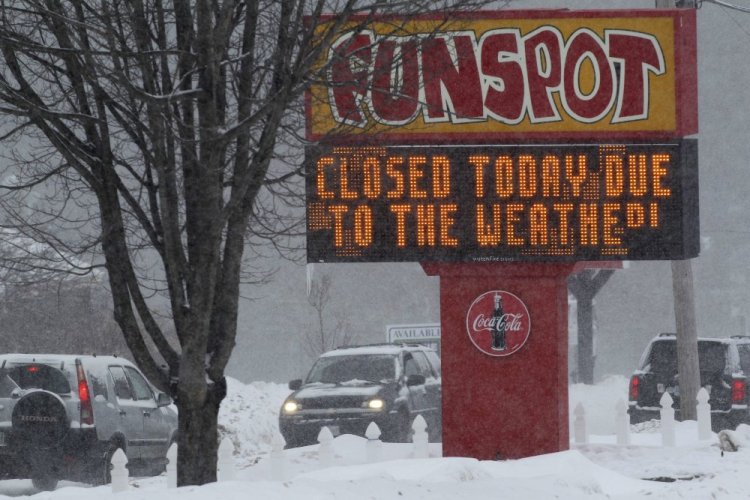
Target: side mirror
<point>415,379</point>
<point>163,399</point>
<point>295,384</point>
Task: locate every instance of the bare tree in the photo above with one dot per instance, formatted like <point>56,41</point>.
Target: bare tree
<point>155,133</point>
<point>330,329</point>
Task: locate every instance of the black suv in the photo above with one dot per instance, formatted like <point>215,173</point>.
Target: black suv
<point>349,387</point>
<point>724,368</point>
<point>63,416</point>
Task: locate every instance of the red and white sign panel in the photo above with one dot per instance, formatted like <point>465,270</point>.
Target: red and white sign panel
<point>498,323</point>
<point>508,75</point>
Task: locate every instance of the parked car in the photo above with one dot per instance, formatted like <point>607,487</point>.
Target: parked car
<point>64,416</point>
<point>349,387</point>
<point>724,369</point>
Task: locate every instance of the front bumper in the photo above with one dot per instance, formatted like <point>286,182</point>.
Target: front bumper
<point>720,419</point>
<point>302,429</point>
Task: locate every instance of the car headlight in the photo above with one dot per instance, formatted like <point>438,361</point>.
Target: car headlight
<point>376,404</point>
<point>291,407</point>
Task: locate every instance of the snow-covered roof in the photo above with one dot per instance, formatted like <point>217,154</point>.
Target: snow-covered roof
<point>390,349</point>
<point>58,358</point>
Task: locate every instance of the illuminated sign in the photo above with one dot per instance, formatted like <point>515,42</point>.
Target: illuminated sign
<point>566,202</point>
<point>509,76</point>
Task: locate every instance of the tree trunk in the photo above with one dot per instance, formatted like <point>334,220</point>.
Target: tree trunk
<point>198,437</point>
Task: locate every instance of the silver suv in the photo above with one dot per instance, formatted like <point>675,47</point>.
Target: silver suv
<point>63,416</point>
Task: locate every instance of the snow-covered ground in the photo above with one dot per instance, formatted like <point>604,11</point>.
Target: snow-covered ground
<point>602,469</point>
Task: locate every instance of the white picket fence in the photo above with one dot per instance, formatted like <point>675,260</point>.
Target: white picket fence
<point>226,468</point>
<point>622,427</point>
<point>374,447</point>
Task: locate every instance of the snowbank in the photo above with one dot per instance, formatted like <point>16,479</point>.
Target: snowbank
<point>601,469</point>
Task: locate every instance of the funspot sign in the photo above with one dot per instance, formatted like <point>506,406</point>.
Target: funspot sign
<point>499,76</point>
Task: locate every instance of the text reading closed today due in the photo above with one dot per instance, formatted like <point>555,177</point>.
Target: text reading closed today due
<point>525,200</point>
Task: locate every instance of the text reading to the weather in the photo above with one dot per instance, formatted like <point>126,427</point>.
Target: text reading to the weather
<point>502,203</point>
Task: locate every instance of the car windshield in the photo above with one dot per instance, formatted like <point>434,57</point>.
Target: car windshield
<point>340,369</point>
<point>663,357</point>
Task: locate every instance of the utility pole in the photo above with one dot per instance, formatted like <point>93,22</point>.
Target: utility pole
<point>684,306</point>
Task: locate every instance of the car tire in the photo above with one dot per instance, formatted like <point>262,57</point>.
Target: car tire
<point>44,483</point>
<point>102,470</point>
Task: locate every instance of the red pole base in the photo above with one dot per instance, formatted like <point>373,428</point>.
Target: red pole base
<point>513,406</point>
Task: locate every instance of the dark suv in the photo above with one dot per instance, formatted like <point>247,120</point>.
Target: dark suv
<point>350,387</point>
<point>63,416</point>
<point>724,368</point>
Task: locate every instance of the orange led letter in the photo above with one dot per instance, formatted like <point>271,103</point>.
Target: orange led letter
<point>588,224</point>
<point>363,226</point>
<point>479,162</point>
<point>504,176</point>
<point>446,224</point>
<point>539,232</point>
<point>488,234</point>
<point>371,174</point>
<point>416,172</point>
<point>398,177</point>
<point>426,225</point>
<point>441,176</point>
<point>400,211</point>
<point>338,212</point>
<point>659,171</point>
<point>323,162</point>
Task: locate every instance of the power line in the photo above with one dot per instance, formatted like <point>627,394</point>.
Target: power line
<point>730,5</point>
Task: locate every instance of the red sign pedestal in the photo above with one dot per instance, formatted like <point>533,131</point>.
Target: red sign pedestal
<point>504,407</point>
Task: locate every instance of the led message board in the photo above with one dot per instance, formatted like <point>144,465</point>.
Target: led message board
<point>507,76</point>
<point>568,202</point>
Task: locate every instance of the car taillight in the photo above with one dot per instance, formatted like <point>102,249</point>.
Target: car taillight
<point>634,383</point>
<point>87,411</point>
<point>738,391</point>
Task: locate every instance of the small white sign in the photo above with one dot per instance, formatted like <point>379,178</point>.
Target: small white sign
<point>414,334</point>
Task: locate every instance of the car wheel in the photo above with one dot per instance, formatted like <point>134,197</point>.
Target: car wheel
<point>44,483</point>
<point>102,473</point>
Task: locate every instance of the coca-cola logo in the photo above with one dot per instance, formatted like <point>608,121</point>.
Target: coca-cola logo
<point>498,323</point>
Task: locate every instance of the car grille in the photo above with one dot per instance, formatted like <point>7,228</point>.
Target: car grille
<point>332,402</point>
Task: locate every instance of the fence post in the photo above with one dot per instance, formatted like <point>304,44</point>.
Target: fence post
<point>704,415</point>
<point>172,466</point>
<point>325,450</point>
<point>579,425</point>
<point>119,472</point>
<point>278,466</point>
<point>420,437</point>
<point>667,420</point>
<point>373,447</point>
<point>225,461</point>
<point>622,423</point>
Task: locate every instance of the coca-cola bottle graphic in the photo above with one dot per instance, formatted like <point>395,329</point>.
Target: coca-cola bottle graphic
<point>498,325</point>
